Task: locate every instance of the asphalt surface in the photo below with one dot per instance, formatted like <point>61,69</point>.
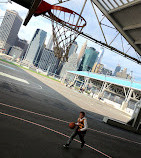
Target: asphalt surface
<point>29,128</point>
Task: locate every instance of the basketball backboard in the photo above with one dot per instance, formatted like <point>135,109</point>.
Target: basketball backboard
<point>31,11</point>
<point>34,5</point>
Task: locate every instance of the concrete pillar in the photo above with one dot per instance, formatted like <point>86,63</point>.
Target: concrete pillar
<point>127,99</point>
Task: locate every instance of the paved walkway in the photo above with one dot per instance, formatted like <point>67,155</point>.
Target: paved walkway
<point>83,100</point>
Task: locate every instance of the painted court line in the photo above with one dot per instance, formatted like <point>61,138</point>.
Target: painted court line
<point>39,125</point>
<point>13,77</point>
<point>8,67</point>
<point>56,119</point>
<point>34,113</point>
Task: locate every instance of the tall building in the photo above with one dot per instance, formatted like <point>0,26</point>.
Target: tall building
<point>105,71</point>
<point>16,52</point>
<point>73,48</point>
<point>88,60</point>
<point>117,69</point>
<point>100,56</point>
<point>23,44</point>
<point>71,65</point>
<point>123,74</point>
<point>81,54</point>
<point>48,62</point>
<point>50,43</point>
<point>35,47</point>
<point>97,65</point>
<point>97,68</point>
<point>9,29</point>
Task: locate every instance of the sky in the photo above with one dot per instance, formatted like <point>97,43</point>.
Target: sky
<point>110,59</point>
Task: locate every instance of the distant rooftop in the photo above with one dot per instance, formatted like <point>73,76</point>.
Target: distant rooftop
<point>110,79</point>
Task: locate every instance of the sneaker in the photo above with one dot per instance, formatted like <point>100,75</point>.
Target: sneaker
<point>66,146</point>
<point>82,145</point>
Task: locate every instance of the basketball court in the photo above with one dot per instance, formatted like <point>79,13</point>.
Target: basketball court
<point>34,123</point>
<point>34,117</point>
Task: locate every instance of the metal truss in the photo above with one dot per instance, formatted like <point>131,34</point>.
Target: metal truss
<point>103,44</point>
<point>136,95</point>
<point>117,90</point>
<point>102,24</point>
<point>61,1</point>
<point>108,8</point>
<point>102,86</point>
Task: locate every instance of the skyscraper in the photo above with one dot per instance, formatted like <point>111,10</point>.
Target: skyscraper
<point>9,29</point>
<point>88,60</point>
<point>82,51</point>
<point>23,44</point>
<point>50,43</point>
<point>123,74</point>
<point>117,69</point>
<point>71,65</point>
<point>100,56</point>
<point>97,64</point>
<point>48,61</point>
<point>73,48</point>
<point>35,47</point>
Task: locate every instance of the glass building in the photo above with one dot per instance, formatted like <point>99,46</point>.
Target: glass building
<point>34,51</point>
<point>88,60</point>
<point>9,29</point>
<point>48,61</point>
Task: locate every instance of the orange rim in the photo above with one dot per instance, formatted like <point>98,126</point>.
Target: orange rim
<point>45,7</point>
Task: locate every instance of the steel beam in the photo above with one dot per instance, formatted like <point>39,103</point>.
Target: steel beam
<point>31,11</point>
<point>99,22</point>
<point>117,26</point>
<point>89,37</point>
<point>138,42</point>
<point>130,4</point>
<point>131,27</point>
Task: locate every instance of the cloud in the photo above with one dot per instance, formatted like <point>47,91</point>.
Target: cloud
<point>110,59</point>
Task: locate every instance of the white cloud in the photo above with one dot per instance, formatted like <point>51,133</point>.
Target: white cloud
<point>110,59</point>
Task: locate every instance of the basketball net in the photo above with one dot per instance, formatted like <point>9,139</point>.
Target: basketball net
<point>64,37</point>
<point>65,24</point>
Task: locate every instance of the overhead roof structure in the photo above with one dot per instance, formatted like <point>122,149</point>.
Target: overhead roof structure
<point>110,79</point>
<point>125,15</point>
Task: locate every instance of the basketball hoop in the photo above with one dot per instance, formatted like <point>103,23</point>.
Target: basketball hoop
<point>63,37</point>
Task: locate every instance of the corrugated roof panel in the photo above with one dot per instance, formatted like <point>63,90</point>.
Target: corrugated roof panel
<point>125,15</point>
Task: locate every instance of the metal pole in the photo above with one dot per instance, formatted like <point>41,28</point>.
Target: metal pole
<point>113,39</point>
<point>99,42</point>
<point>99,22</point>
<point>60,1</point>
<point>81,12</point>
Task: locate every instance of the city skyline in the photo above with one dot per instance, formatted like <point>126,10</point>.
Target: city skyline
<point>108,55</point>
